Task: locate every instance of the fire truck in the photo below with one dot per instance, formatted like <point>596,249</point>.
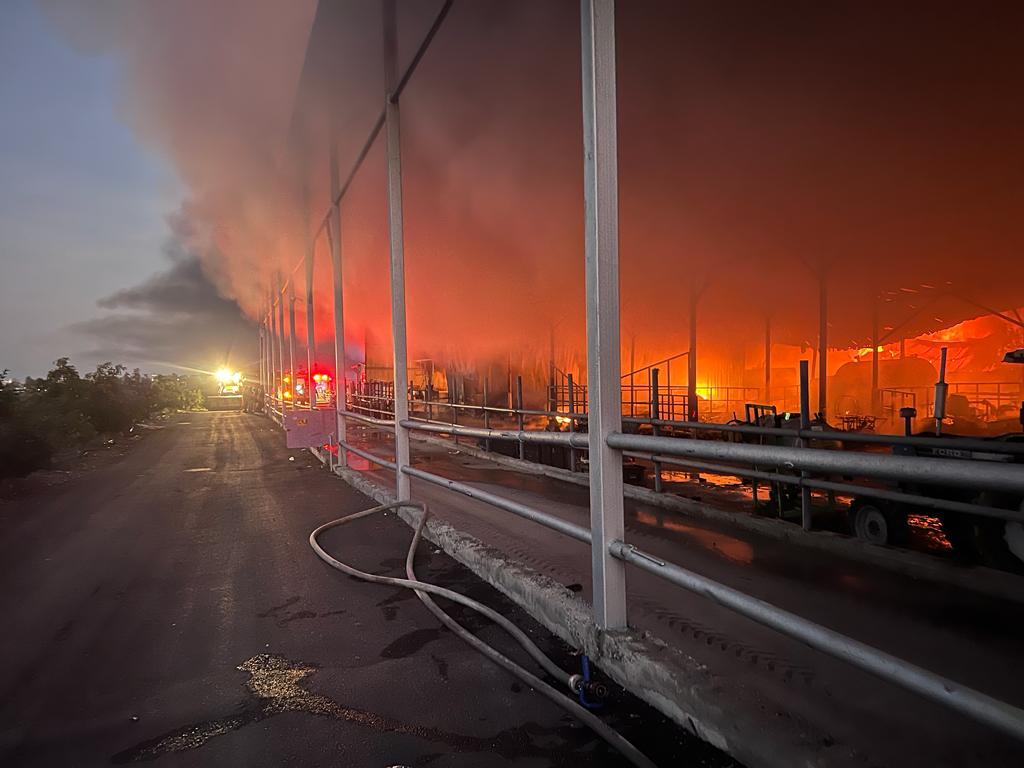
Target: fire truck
<point>228,396</point>
<point>322,390</point>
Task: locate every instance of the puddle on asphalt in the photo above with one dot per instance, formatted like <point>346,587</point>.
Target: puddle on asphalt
<point>722,544</point>
<point>274,687</point>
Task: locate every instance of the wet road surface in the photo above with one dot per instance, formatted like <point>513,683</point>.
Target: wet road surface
<point>970,638</point>
<point>167,608</point>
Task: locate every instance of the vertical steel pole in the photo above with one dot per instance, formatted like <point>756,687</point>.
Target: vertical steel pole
<point>269,382</point>
<point>487,414</point>
<point>570,388</point>
<point>453,387</point>
<point>340,386</point>
<point>601,233</point>
<point>280,335</point>
<point>397,241</point>
<point>655,416</point>
<point>552,404</point>
<point>519,407</point>
<point>292,339</point>
<point>767,360</point>
<point>874,360</point>
<point>805,423</point>
<point>692,407</point>
<point>262,343</point>
<point>272,385</point>
<point>310,331</point>
<point>823,342</point>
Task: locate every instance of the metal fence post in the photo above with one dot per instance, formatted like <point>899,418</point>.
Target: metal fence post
<point>451,407</point>
<point>823,342</point>
<point>692,400</point>
<point>487,414</point>
<point>805,424</point>
<point>310,331</point>
<point>601,234</point>
<point>340,380</point>
<point>261,340</point>
<point>655,416</point>
<point>281,339</point>
<point>520,420</point>
<point>397,241</point>
<point>570,389</point>
<point>272,384</point>
<point>292,339</point>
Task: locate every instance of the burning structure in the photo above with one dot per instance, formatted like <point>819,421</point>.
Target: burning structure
<point>730,310</point>
<point>771,210</point>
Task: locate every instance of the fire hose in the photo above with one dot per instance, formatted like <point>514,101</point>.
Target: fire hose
<point>424,590</point>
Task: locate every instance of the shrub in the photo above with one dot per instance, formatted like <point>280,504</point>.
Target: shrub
<point>65,410</point>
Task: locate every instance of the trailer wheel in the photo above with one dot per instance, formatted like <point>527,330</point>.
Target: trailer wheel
<point>877,523</point>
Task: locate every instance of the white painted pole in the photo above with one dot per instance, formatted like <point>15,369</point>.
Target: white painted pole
<point>310,331</point>
<point>334,235</point>
<point>397,241</point>
<point>292,342</point>
<point>601,228</point>
<point>280,336</point>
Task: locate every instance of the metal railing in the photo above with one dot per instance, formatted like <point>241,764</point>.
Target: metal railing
<point>605,441</point>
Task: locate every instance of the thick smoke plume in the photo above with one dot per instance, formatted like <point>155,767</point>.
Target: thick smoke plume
<point>762,149</point>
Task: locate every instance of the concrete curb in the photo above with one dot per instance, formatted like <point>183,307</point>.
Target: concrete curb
<point>985,581</point>
<point>722,713</point>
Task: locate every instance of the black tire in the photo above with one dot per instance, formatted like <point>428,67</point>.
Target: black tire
<point>878,523</point>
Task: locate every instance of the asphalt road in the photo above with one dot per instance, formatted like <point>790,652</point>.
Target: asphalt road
<point>166,607</point>
<point>856,718</point>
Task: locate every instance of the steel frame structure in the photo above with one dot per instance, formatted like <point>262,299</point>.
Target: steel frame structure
<point>605,440</point>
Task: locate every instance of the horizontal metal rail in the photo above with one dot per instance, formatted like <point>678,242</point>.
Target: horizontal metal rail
<point>572,530</point>
<point>576,440</point>
<point>916,469</point>
<point>976,705</point>
<point>442,404</point>
<point>387,423</point>
<point>960,443</point>
<point>569,439</point>
<point>972,703</point>
<point>368,456</point>
<point>926,502</point>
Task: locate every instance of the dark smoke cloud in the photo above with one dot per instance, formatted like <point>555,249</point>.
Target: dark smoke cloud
<point>181,289</point>
<point>175,319</point>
